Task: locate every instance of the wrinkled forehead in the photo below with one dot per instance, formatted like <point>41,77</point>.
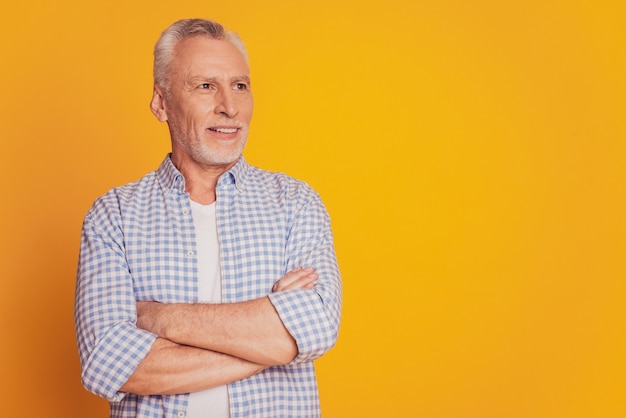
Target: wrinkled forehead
<point>205,54</point>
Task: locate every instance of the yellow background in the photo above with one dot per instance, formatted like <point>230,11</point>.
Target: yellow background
<point>471,154</point>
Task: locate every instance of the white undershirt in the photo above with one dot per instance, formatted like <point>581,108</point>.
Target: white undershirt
<point>210,403</point>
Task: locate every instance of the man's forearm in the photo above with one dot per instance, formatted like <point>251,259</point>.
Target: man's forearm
<point>170,368</point>
<point>249,330</point>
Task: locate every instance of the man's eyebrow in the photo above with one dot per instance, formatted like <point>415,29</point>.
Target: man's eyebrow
<point>203,79</point>
<point>241,78</point>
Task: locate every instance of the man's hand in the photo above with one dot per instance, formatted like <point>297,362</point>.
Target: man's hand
<point>148,316</point>
<point>297,278</point>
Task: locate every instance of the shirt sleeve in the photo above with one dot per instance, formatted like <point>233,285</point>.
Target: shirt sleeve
<point>109,343</point>
<point>312,316</point>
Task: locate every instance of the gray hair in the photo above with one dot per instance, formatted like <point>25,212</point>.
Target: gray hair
<point>182,29</point>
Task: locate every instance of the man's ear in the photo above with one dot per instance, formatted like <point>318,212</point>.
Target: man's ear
<point>157,104</point>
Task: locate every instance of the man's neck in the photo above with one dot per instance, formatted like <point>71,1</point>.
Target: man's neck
<point>201,180</point>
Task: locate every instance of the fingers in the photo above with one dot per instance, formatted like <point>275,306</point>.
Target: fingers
<point>297,278</point>
<point>147,313</point>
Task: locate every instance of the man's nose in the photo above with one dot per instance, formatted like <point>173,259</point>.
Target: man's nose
<point>226,104</point>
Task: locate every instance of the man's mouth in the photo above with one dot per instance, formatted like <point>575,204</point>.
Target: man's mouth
<point>224,130</point>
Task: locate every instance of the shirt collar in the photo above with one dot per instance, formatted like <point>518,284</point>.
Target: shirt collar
<point>237,175</point>
<point>170,178</point>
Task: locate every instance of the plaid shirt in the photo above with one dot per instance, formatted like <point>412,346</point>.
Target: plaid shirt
<point>138,243</point>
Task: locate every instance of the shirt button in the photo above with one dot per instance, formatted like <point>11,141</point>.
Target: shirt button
<point>185,212</point>
<point>189,253</point>
<point>181,414</point>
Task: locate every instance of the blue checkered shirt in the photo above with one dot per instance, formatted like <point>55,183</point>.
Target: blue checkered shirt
<point>138,243</point>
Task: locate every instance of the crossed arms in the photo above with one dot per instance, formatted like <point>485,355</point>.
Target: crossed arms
<point>206,345</point>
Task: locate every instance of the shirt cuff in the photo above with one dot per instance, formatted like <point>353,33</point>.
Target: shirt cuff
<point>115,358</point>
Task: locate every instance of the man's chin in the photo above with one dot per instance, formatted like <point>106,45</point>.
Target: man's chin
<point>221,161</point>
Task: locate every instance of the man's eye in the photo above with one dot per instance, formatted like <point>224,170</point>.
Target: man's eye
<point>204,86</point>
<point>241,86</point>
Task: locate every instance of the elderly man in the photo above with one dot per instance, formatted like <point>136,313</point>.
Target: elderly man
<point>208,287</point>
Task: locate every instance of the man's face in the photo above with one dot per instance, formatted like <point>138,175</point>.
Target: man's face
<point>209,105</point>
